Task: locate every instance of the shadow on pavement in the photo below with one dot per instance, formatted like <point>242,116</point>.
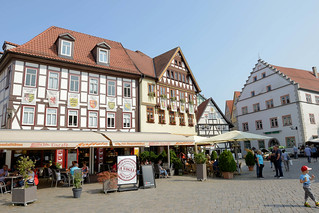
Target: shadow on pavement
<point>65,196</point>
<point>283,205</point>
<point>94,191</point>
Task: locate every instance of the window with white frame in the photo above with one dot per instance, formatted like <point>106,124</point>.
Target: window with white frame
<point>126,120</point>
<point>273,122</point>
<point>308,98</point>
<point>111,88</point>
<point>93,119</point>
<point>53,80</point>
<point>317,99</point>
<point>51,117</point>
<point>259,124</point>
<point>28,116</point>
<point>94,86</point>
<point>103,56</point>
<point>66,48</point>
<point>74,83</point>
<point>127,90</point>
<point>30,77</point>
<point>245,127</point>
<point>110,120</point>
<point>286,120</point>
<point>73,118</point>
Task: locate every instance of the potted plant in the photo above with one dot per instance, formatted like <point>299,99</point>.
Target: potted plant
<point>250,160</point>
<point>26,194</point>
<point>200,160</point>
<point>109,181</point>
<point>151,94</point>
<point>77,185</point>
<point>164,96</point>
<point>227,164</point>
<point>214,155</point>
<point>173,98</point>
<point>182,100</point>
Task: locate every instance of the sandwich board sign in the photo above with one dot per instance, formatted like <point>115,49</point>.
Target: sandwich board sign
<point>127,172</point>
<point>148,176</point>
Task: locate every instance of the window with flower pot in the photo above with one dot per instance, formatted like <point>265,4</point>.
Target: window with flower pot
<point>190,120</point>
<point>161,116</point>
<point>163,92</point>
<point>182,97</point>
<point>151,90</point>
<point>150,114</point>
<point>172,120</point>
<point>181,119</point>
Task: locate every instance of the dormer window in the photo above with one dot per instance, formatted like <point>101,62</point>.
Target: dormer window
<point>66,48</point>
<point>103,56</point>
<point>101,53</point>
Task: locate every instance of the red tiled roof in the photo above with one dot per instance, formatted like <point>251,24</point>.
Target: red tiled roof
<point>161,61</point>
<point>201,108</point>
<point>229,104</point>
<point>304,78</point>
<point>13,44</point>
<point>43,45</point>
<point>143,62</point>
<point>237,94</point>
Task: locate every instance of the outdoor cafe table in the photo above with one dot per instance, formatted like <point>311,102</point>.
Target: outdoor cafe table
<point>65,177</point>
<point>12,177</point>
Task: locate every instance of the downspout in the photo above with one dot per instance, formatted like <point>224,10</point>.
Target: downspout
<point>300,117</point>
<point>139,102</point>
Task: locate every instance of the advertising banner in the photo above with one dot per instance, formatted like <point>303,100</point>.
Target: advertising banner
<point>126,169</point>
<point>163,103</point>
<point>182,108</point>
<point>111,104</point>
<point>29,95</point>
<point>127,105</point>
<point>93,102</point>
<point>73,100</point>
<point>53,98</point>
<point>174,106</point>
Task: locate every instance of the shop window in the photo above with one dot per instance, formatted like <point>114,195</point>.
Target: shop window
<point>94,86</point>
<point>53,80</point>
<point>273,122</point>
<point>261,144</point>
<point>111,88</point>
<point>73,118</point>
<point>28,116</point>
<point>286,120</point>
<point>172,120</point>
<point>51,117</point>
<point>30,77</point>
<point>150,114</point>
<point>93,119</point>
<point>74,83</point>
<point>127,90</point>
<point>126,120</point>
<point>161,116</point>
<point>110,120</point>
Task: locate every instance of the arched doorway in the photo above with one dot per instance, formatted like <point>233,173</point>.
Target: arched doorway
<point>272,142</point>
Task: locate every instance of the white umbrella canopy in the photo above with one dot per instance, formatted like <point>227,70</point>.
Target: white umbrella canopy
<point>234,135</point>
<point>314,140</point>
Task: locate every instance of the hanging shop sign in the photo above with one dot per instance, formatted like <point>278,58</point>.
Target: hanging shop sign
<point>73,100</point>
<point>53,98</point>
<point>93,102</point>
<point>111,104</point>
<point>29,95</point>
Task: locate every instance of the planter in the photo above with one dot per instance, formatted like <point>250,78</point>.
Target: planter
<point>180,172</point>
<point>77,192</point>
<point>110,185</point>
<point>24,195</point>
<point>201,172</point>
<point>251,168</point>
<point>228,175</point>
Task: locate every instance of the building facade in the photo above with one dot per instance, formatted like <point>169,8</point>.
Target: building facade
<point>279,102</point>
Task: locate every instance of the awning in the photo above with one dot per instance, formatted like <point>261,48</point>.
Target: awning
<point>50,139</point>
<point>138,139</point>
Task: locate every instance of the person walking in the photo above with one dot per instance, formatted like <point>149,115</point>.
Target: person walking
<point>308,153</point>
<point>260,162</point>
<point>278,161</point>
<point>305,180</point>
<point>295,152</point>
<point>285,159</point>
<point>314,152</point>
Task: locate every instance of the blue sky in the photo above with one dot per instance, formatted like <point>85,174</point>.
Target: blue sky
<point>221,40</point>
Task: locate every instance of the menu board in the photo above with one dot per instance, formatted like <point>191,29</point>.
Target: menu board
<point>148,176</point>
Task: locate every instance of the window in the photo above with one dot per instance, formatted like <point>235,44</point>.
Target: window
<point>268,88</point>
<point>261,144</point>
<point>127,90</point>
<point>163,90</point>
<point>110,88</point>
<point>182,96</point>
<point>30,77</point>
<point>150,114</point>
<point>181,119</point>
<point>93,117</point>
<point>176,76</point>
<point>151,88</point>
<point>247,145</point>
<point>314,136</point>
<point>110,120</point>
<point>244,110</point>
<point>183,78</point>
<point>190,120</point>
<point>255,78</point>
<point>308,98</point>
<point>179,77</point>
<point>66,48</point>
<point>94,86</point>
<point>161,116</point>
<point>172,120</point>
<point>51,117</point>
<point>245,127</point>
<point>263,75</point>
<point>74,83</point>
<point>259,124</point>
<point>285,99</point>
<point>28,116</point>
<point>126,120</point>
<point>312,118</point>
<point>290,142</point>
<point>172,93</point>
<point>270,104</point>
<point>256,107</point>
<point>172,74</point>
<point>286,120</point>
<point>252,93</point>
<point>168,74</point>
<point>273,122</point>
<point>53,80</point>
<point>73,118</point>
<point>317,99</point>
<point>8,78</point>
<point>103,56</point>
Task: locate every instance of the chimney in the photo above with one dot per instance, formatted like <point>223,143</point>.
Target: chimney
<point>315,73</point>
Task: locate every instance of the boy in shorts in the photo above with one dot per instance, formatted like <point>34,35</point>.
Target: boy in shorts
<point>305,180</point>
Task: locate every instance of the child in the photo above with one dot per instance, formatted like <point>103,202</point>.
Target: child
<point>305,180</point>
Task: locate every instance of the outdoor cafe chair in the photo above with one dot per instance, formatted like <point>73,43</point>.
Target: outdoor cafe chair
<point>3,186</point>
<point>56,176</point>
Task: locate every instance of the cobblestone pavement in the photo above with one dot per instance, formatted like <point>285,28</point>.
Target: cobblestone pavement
<point>244,193</point>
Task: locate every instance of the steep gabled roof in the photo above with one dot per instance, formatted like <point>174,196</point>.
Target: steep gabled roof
<point>143,62</point>
<point>44,45</point>
<point>162,61</point>
<point>236,94</point>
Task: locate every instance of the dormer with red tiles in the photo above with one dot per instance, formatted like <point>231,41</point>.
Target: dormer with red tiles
<point>101,53</point>
<point>65,45</point>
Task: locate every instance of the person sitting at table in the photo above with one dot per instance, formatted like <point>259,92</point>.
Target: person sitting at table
<point>3,174</point>
<point>161,169</point>
<point>53,166</point>
<point>85,170</point>
<point>76,166</point>
<point>73,164</point>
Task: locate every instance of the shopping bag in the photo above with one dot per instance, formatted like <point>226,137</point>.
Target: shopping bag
<point>290,162</point>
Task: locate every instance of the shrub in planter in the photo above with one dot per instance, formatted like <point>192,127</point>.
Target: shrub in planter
<point>250,160</point>
<point>214,155</point>
<point>162,157</point>
<point>177,163</point>
<point>77,185</point>
<point>109,181</point>
<point>150,156</point>
<point>200,158</point>
<point>227,164</point>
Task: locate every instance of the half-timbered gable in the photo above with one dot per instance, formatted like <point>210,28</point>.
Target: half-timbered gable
<point>63,80</point>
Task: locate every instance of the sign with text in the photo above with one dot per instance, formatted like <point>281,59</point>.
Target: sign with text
<point>148,176</point>
<point>126,169</point>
